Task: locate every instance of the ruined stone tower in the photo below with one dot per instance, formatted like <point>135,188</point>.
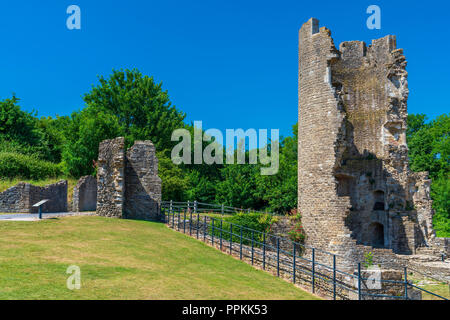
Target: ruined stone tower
<point>128,185</point>
<point>355,190</point>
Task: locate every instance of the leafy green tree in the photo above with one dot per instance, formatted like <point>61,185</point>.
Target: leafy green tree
<point>126,104</point>
<point>143,110</point>
<point>238,186</point>
<point>173,178</point>
<point>429,144</point>
<point>53,136</point>
<point>280,191</point>
<point>201,187</point>
<point>17,125</point>
<point>429,150</point>
<point>440,192</point>
<point>84,134</point>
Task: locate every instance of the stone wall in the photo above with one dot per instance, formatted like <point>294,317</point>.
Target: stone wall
<point>142,184</point>
<point>110,178</point>
<point>356,191</point>
<point>128,185</point>
<point>85,194</point>
<point>22,197</point>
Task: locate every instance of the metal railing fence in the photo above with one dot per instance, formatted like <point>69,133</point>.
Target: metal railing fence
<point>280,255</point>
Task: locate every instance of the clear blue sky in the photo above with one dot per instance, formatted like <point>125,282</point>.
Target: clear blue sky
<point>231,64</point>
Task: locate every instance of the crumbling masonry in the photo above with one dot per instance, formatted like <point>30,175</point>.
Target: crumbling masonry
<point>128,185</point>
<point>356,191</point>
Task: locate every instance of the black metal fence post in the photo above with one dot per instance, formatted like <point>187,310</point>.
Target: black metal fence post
<point>293,263</point>
<point>313,269</point>
<point>221,235</point>
<point>231,238</point>
<point>198,224</point>
<point>253,249</point>
<point>240,247</point>
<point>359,280</point>
<point>204,228</point>
<point>334,277</point>
<point>406,283</point>
<point>173,220</point>
<point>190,223</point>
<point>264,251</point>
<point>179,218</point>
<point>184,222</point>
<point>278,257</point>
<point>212,231</point>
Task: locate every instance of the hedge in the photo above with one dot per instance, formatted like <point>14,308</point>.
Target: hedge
<point>16,165</point>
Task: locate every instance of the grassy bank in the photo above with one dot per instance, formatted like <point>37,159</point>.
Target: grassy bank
<point>124,259</point>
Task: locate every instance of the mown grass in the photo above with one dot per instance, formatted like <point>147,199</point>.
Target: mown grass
<point>440,288</point>
<point>124,259</point>
<point>71,183</point>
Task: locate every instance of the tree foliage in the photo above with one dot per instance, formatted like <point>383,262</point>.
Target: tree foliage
<point>143,110</point>
<point>429,150</point>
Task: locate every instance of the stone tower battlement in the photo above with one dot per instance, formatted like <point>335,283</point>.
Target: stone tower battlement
<point>356,190</point>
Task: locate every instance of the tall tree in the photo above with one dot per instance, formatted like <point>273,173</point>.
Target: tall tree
<point>16,124</point>
<point>429,150</point>
<point>143,109</point>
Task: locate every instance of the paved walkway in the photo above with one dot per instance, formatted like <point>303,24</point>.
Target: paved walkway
<point>35,216</point>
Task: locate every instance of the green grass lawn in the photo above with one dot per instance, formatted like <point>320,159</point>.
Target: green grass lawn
<point>440,288</point>
<point>124,259</point>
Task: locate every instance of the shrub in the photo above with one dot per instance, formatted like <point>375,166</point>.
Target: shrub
<point>257,221</point>
<point>296,234</point>
<point>15,165</point>
<point>368,260</point>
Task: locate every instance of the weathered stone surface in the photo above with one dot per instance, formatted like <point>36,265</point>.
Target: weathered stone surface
<point>110,178</point>
<point>128,185</point>
<point>85,194</point>
<point>23,196</point>
<point>356,191</point>
<point>142,184</point>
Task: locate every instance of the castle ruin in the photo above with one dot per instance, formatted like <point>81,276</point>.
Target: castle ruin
<point>128,185</point>
<point>355,189</point>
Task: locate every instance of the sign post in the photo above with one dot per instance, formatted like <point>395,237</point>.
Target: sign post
<point>39,206</point>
